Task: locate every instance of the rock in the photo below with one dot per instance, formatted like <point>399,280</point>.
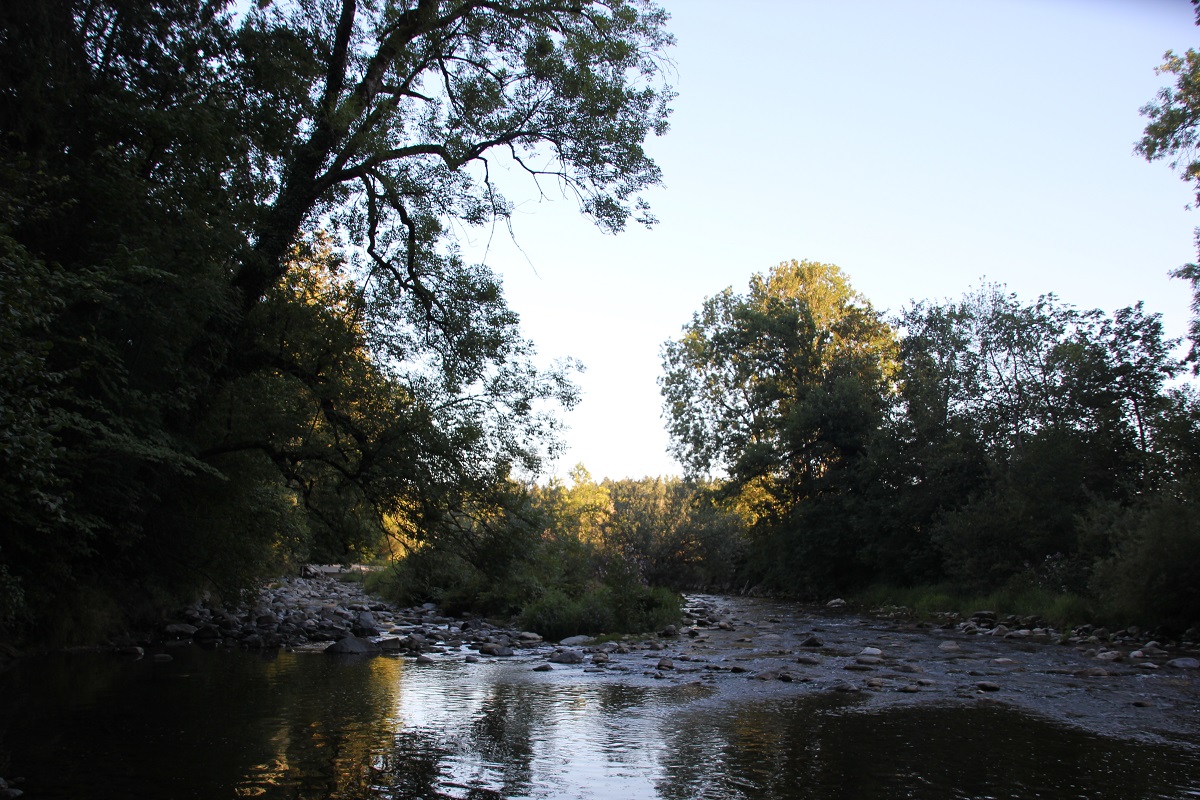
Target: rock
<point>666,663</point>
<point>1110,655</point>
<point>180,630</point>
<point>909,688</point>
<point>870,661</point>
<point>949,647</point>
<point>391,645</point>
<point>207,633</point>
<point>812,641</point>
<point>424,659</point>
<point>364,625</point>
<point>1184,663</point>
<point>812,661</point>
<point>163,658</point>
<point>352,645</point>
<point>528,637</point>
<point>870,651</point>
<point>567,657</point>
<point>499,650</point>
<point>1091,672</point>
<point>670,630</point>
<point>837,602</point>
<point>844,687</point>
<point>543,668</point>
<point>575,641</point>
<point>987,686</point>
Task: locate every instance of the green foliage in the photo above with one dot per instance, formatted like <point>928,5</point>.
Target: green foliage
<point>782,389</point>
<point>548,558</point>
<point>1173,132</point>
<point>976,457</point>
<point>198,382</point>
<point>1153,573</point>
<point>556,615</point>
<point>1063,611</point>
<point>779,385</point>
<point>1174,115</point>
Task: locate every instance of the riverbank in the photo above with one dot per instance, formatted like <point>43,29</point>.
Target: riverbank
<point>1111,683</point>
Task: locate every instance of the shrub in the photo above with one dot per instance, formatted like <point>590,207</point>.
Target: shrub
<point>1153,577</point>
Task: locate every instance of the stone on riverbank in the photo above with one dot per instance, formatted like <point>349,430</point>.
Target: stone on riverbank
<point>352,645</point>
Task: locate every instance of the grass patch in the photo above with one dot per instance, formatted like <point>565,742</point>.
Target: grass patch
<point>1060,610</point>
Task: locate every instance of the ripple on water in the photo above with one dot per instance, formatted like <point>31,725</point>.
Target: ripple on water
<point>304,725</point>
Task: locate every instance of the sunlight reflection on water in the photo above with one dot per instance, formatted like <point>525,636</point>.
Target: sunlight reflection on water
<point>306,725</point>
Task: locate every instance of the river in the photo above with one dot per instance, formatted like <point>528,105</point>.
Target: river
<point>229,723</point>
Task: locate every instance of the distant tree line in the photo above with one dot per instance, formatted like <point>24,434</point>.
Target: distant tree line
<point>975,443</point>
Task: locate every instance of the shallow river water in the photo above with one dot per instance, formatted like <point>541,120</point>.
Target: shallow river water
<point>224,724</point>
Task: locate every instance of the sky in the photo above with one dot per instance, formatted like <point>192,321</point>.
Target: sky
<point>923,147</point>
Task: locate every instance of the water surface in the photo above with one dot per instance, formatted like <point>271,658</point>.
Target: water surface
<point>220,724</point>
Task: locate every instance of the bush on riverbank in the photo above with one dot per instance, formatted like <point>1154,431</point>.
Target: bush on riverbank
<point>1061,610</point>
<point>601,609</point>
<point>539,560</point>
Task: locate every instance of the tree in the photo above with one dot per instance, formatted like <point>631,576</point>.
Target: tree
<point>247,231</point>
<point>780,385</point>
<point>1018,417</point>
<point>782,390</point>
<point>1173,132</point>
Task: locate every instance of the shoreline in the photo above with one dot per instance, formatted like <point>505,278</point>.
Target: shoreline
<point>740,647</point>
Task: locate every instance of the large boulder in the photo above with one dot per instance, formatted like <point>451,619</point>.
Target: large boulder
<point>567,657</point>
<point>364,624</point>
<point>495,649</point>
<point>352,645</point>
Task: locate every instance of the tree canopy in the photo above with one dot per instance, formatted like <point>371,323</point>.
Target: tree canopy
<point>780,385</point>
<point>239,325</point>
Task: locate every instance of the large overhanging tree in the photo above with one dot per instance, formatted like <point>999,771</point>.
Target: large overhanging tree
<point>228,247</point>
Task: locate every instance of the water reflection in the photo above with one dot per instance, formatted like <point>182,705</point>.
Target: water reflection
<point>828,748</point>
<point>304,725</point>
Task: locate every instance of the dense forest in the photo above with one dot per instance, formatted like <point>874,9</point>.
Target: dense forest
<point>239,336</point>
<point>237,330</point>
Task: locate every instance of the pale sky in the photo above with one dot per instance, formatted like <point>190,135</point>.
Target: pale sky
<point>920,146</point>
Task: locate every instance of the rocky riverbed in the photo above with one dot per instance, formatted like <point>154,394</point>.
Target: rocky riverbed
<point>1113,683</point>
